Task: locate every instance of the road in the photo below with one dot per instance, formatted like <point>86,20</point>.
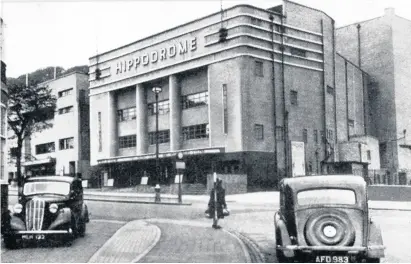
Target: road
<point>184,227</point>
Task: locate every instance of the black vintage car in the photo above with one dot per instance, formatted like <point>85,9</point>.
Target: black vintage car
<point>326,219</point>
<point>50,207</point>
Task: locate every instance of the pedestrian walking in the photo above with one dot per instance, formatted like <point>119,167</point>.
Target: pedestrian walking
<point>217,204</point>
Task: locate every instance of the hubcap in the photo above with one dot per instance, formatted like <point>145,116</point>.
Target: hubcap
<point>329,231</point>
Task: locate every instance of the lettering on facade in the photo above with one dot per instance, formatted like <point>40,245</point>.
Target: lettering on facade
<point>173,50</point>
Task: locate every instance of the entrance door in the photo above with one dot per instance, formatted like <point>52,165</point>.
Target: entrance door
<point>72,167</point>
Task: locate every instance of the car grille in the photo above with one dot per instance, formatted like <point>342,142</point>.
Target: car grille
<point>34,214</point>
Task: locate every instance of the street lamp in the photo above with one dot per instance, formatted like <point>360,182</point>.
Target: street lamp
<point>157,90</point>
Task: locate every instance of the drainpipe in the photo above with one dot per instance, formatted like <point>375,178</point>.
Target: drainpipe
<point>285,112</point>
<point>274,94</point>
<point>359,44</point>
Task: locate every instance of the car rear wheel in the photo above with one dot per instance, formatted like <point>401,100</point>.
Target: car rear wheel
<point>10,242</point>
<point>82,228</point>
<point>280,254</point>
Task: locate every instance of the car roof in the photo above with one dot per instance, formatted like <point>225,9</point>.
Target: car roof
<point>51,178</point>
<point>328,181</point>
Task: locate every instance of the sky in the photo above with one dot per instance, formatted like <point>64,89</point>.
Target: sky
<point>44,33</point>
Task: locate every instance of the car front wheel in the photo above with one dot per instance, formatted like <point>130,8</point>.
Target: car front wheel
<point>10,242</point>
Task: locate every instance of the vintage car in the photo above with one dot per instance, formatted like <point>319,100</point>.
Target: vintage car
<point>49,208</point>
<point>326,219</point>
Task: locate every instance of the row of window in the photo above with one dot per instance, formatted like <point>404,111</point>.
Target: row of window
<point>187,101</point>
<point>189,132</point>
<point>65,143</point>
<point>65,93</point>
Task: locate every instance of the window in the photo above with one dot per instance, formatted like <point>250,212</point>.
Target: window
<point>256,21</point>
<point>45,148</point>
<point>225,110</point>
<point>163,137</point>
<point>163,108</point>
<point>326,196</point>
<point>66,143</point>
<point>298,52</point>
<point>316,136</point>
<point>280,133</point>
<point>196,131</point>
<point>127,141</point>
<point>322,136</point>
<point>3,120</point>
<point>259,70</point>
<point>65,110</point>
<point>369,154</point>
<point>194,100</point>
<point>100,143</point>
<point>259,131</point>
<point>294,97</point>
<point>305,135</point>
<point>65,92</point>
<point>126,114</point>
<point>330,90</point>
<point>13,152</point>
<point>351,122</point>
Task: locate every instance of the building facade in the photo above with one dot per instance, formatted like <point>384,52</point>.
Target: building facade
<point>62,148</point>
<point>380,46</point>
<point>270,99</point>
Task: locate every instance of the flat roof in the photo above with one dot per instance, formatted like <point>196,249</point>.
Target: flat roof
<point>51,178</point>
<point>307,182</point>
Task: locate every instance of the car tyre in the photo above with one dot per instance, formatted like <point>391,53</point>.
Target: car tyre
<point>10,242</point>
<point>280,254</point>
<point>82,228</point>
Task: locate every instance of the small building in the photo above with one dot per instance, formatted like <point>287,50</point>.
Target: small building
<point>63,148</point>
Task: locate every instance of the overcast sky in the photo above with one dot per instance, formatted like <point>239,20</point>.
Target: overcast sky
<point>66,33</point>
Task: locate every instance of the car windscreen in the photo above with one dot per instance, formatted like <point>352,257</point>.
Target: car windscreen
<point>61,188</point>
<point>326,196</point>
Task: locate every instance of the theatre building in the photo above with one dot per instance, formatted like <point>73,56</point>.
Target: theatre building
<point>270,98</point>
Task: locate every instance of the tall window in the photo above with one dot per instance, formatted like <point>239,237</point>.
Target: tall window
<point>163,107</point>
<point>259,69</point>
<point>225,111</point>
<point>194,100</point>
<point>258,131</point>
<point>65,92</point>
<point>100,143</point>
<point>45,148</point>
<point>3,120</point>
<point>316,136</point>
<point>65,110</point>
<point>330,135</point>
<point>369,154</point>
<point>126,114</point>
<point>280,133</point>
<point>196,131</point>
<point>163,137</point>
<point>305,135</point>
<point>66,143</point>
<point>294,97</point>
<point>127,141</point>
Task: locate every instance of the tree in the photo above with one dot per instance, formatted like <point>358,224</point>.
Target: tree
<point>30,108</point>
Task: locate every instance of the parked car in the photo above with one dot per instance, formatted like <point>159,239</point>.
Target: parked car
<point>50,207</point>
<point>326,219</point>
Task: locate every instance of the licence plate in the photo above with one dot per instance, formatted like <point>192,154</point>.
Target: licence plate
<point>332,259</point>
<point>33,237</point>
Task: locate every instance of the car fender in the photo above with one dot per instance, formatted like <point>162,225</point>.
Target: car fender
<point>285,237</point>
<point>16,223</point>
<point>375,239</point>
<point>63,217</point>
<point>85,214</point>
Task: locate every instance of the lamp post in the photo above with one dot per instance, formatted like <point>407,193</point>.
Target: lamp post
<point>157,90</point>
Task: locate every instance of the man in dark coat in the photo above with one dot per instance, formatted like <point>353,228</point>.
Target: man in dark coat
<point>221,204</point>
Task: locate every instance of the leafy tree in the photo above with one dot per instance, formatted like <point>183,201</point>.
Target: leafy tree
<point>30,107</point>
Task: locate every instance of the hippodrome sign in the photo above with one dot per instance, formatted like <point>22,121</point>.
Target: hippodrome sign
<point>155,56</point>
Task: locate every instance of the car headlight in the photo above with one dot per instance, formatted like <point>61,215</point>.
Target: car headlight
<point>53,208</point>
<point>17,208</point>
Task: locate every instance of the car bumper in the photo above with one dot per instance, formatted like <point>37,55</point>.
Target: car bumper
<point>39,234</point>
<point>353,249</point>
